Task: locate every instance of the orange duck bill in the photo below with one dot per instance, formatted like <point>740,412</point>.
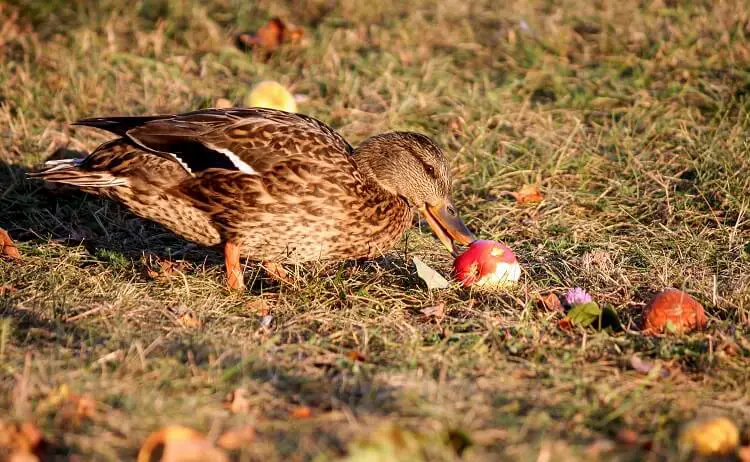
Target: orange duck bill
<point>447,225</point>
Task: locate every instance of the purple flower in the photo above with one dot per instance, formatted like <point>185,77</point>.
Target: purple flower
<point>578,296</point>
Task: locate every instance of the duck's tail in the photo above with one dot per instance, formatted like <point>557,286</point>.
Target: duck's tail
<point>73,172</point>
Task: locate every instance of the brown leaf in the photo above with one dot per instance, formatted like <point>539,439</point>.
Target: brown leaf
<point>551,302</point>
<point>24,441</point>
<point>565,324</point>
<point>8,247</point>
<point>528,194</point>
<point>437,311</point>
<point>356,356</point>
<point>645,367</point>
<point>301,412</point>
<point>157,268</point>
<point>237,438</point>
<point>188,320</point>
<point>743,454</point>
<point>176,443</point>
<point>271,35</point>
<point>237,401</point>
<point>627,436</point>
<point>259,306</point>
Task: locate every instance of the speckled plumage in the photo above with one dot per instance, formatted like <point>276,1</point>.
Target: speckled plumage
<point>270,185</point>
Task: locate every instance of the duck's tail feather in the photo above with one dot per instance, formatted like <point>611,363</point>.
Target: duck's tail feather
<point>69,171</point>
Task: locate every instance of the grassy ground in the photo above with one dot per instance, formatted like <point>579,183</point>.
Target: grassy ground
<point>633,118</point>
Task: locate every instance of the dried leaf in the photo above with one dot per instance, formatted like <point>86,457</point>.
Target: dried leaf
<point>271,35</point>
<point>188,320</point>
<point>437,311</point>
<point>24,441</point>
<point>627,436</point>
<point>432,278</point>
<point>356,356</point>
<point>301,412</point>
<point>645,367</point>
<point>551,302</point>
<point>8,247</point>
<point>528,194</point>
<point>259,306</point>
<point>743,454</point>
<point>237,401</point>
<point>179,444</point>
<point>237,438</point>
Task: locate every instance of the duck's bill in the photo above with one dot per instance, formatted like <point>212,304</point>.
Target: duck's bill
<point>447,225</point>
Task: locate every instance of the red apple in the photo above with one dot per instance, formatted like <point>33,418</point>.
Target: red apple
<point>487,264</point>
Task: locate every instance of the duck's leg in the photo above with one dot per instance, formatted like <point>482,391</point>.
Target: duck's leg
<point>234,270</point>
<point>277,272</point>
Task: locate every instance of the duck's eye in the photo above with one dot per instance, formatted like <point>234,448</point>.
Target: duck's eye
<point>430,170</point>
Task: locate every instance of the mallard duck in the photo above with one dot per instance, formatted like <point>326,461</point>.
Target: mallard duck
<point>269,186</point>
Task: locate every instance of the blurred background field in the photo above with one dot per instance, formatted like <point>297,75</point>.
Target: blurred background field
<point>632,117</point>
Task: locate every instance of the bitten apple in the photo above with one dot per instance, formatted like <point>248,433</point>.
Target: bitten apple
<point>488,265</point>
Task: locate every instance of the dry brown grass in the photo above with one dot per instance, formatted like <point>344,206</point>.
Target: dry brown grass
<point>633,118</point>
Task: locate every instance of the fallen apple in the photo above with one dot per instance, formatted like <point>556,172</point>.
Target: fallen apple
<point>487,265</point>
<point>674,311</point>
<point>272,95</point>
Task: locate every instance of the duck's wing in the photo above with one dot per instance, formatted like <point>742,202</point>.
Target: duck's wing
<point>250,141</point>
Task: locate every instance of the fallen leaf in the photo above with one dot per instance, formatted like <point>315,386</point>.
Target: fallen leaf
<point>301,412</point>
<point>590,314</point>
<point>188,320</point>
<point>645,367</point>
<point>271,35</point>
<point>176,443</point>
<point>743,454</point>
<point>710,437</point>
<point>432,278</point>
<point>551,302</point>
<point>436,311</point>
<point>23,441</point>
<point>7,246</point>
<point>259,306</point>
<point>565,324</point>
<point>627,436</point>
<point>166,268</point>
<point>528,194</point>
<point>356,356</point>
<point>237,401</point>
<point>237,438</point>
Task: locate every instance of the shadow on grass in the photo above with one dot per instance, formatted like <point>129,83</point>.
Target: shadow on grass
<point>35,212</point>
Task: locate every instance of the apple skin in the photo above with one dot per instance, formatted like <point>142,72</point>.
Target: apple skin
<point>487,265</point>
<point>675,307</point>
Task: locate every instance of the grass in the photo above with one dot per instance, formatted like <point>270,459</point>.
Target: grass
<point>633,117</point>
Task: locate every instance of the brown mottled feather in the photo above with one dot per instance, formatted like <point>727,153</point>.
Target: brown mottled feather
<point>308,200</point>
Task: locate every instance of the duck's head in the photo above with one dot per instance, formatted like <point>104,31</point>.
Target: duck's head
<point>412,166</point>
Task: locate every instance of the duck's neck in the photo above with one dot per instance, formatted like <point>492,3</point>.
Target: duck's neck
<point>370,163</point>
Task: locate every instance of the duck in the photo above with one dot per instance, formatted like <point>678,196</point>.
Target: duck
<point>268,186</point>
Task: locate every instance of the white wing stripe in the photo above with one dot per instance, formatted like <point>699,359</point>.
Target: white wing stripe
<point>241,165</point>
